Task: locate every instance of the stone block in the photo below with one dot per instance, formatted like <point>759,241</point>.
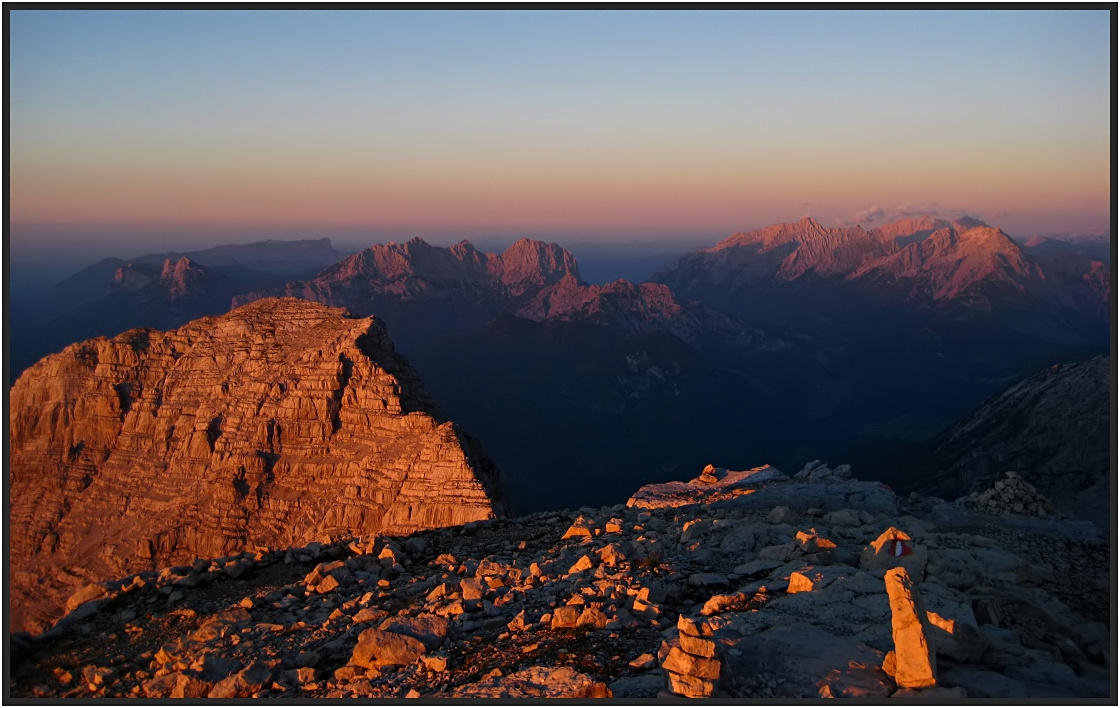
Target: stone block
<point>698,646</point>
<point>377,647</point>
<point>915,662</point>
<point>691,686</point>
<point>683,663</point>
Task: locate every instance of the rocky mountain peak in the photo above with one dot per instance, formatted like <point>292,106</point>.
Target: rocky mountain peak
<point>635,307</point>
<point>949,263</point>
<point>770,237</point>
<point>279,423</point>
<point>531,264</point>
<point>810,224</point>
<point>181,277</point>
<point>967,222</point>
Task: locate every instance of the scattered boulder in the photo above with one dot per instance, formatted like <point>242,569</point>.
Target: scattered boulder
<point>611,555</point>
<point>810,542</point>
<point>428,628</point>
<point>192,687</point>
<point>435,662</point>
<point>582,527</point>
<point>719,604</point>
<point>895,548</point>
<point>781,515</point>
<point>566,616</point>
<point>471,588</point>
<point>244,683</point>
<point>592,617</point>
<point>584,563</point>
<point>377,647</point>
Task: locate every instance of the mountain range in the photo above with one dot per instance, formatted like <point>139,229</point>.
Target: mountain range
<point>924,262</point>
<point>426,293</point>
<point>792,341</point>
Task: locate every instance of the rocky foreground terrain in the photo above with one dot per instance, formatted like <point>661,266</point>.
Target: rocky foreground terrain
<point>739,585</point>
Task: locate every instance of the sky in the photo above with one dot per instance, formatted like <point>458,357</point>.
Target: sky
<point>145,129</point>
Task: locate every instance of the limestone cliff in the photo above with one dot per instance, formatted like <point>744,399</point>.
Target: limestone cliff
<point>277,424</point>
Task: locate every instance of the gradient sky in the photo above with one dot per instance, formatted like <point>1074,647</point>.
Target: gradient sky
<point>607,125</point>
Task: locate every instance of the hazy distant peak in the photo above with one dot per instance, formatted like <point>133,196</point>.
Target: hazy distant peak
<point>176,268</point>
<point>804,230</point>
<point>412,245</point>
<point>967,222</point>
<point>180,277</point>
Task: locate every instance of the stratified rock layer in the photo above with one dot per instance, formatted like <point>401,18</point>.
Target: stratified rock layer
<point>277,424</point>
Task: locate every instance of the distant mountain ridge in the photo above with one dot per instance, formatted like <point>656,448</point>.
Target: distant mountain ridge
<point>426,292</point>
<point>277,258</point>
<point>921,261</point>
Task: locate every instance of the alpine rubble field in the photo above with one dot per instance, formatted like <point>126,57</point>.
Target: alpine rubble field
<point>750,584</point>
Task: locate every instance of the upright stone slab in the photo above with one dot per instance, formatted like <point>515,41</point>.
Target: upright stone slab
<point>915,662</point>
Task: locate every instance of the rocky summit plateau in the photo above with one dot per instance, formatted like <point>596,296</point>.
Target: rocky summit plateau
<point>747,584</point>
<point>281,422</point>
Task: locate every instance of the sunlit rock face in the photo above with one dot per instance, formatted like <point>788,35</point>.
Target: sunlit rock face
<point>277,424</point>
